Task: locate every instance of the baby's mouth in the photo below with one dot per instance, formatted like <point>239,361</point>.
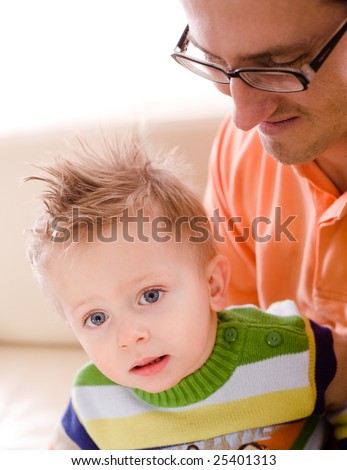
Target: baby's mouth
<point>150,365</point>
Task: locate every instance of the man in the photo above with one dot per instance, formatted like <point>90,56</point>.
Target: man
<point>278,179</point>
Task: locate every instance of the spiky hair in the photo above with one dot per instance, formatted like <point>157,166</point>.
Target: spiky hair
<point>102,184</point>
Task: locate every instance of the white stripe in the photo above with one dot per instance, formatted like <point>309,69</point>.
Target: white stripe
<point>284,308</point>
<point>271,375</point>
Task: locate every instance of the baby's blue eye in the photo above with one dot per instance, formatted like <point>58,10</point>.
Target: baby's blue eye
<point>96,319</point>
<point>151,296</point>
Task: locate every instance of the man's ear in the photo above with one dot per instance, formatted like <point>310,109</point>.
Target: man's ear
<point>218,279</point>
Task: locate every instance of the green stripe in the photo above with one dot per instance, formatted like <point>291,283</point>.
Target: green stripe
<point>90,375</point>
<point>254,326</point>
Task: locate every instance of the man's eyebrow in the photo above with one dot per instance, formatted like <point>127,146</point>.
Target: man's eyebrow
<point>214,57</point>
<point>274,51</point>
<point>278,50</point>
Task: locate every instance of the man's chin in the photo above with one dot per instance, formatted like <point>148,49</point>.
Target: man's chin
<point>286,153</point>
<point>279,151</point>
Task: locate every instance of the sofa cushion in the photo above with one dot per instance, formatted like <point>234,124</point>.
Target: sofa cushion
<point>34,390</point>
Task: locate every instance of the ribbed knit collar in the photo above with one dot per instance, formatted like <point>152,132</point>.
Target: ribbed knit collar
<point>205,381</point>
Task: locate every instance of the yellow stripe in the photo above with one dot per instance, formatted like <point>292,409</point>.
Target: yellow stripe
<point>340,426</point>
<point>340,433</point>
<point>158,428</point>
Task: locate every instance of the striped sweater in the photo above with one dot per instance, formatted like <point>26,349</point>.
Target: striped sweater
<point>261,386</point>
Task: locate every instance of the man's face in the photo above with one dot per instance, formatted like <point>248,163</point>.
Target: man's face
<point>297,127</point>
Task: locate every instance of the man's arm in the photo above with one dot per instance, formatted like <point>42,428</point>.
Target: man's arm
<point>336,394</point>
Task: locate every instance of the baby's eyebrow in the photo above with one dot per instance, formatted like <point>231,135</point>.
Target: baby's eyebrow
<point>82,305</point>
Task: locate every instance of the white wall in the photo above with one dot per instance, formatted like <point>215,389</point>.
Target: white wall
<point>66,61</point>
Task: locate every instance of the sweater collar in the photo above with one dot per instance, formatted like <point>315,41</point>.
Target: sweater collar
<point>210,377</point>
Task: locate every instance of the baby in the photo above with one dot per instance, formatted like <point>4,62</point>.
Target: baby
<point>125,251</point>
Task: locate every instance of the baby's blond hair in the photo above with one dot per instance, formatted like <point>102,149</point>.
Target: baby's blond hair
<point>103,185</point>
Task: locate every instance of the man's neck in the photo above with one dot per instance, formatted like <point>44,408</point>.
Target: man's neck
<point>333,163</point>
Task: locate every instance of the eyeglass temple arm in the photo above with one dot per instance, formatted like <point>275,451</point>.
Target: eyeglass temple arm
<point>182,41</point>
<point>318,61</point>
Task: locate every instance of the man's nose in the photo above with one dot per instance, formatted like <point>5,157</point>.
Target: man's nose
<point>130,334</point>
<point>251,106</point>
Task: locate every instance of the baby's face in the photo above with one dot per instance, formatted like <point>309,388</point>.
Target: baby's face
<point>141,311</point>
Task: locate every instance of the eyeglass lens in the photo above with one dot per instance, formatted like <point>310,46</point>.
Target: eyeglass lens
<point>273,81</point>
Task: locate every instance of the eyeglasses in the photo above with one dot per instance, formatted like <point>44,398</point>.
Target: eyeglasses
<point>279,80</point>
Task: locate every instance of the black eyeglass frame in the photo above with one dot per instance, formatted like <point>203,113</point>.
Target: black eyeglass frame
<point>313,66</point>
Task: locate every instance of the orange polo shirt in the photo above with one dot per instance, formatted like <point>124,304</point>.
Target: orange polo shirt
<point>282,227</point>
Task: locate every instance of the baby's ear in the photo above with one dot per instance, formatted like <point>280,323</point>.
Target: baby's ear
<point>218,279</point>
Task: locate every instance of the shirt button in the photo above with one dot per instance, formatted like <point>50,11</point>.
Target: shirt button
<point>274,339</point>
<point>230,335</point>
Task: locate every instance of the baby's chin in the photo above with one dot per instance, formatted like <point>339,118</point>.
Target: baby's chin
<point>155,384</point>
<point>159,387</point>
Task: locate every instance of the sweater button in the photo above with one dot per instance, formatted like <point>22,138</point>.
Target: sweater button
<point>230,335</point>
<point>274,339</point>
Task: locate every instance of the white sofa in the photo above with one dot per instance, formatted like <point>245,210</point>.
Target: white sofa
<point>38,353</point>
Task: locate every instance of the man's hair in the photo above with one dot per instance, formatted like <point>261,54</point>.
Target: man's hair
<point>94,189</point>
